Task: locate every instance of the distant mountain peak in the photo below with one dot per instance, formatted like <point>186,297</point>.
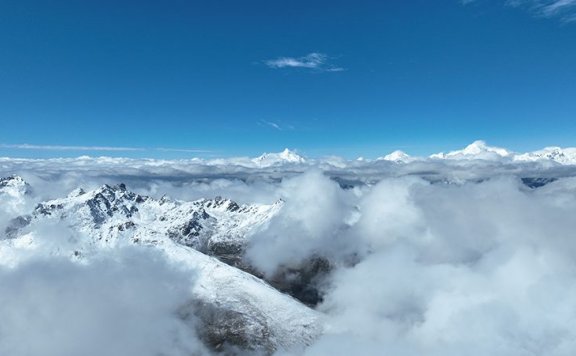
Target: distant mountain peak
<point>476,147</point>
<point>286,156</point>
<point>556,154</point>
<point>476,150</point>
<point>397,156</point>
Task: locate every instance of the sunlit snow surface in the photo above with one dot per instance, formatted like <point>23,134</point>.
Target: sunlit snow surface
<point>466,252</point>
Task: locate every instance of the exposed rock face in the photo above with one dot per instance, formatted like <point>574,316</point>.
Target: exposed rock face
<point>304,281</point>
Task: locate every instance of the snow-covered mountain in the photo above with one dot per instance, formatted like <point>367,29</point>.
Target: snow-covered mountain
<point>479,150</point>
<point>13,193</point>
<point>14,187</point>
<point>556,154</point>
<point>111,213</point>
<point>233,306</point>
<point>475,150</point>
<point>272,159</point>
<point>397,156</point>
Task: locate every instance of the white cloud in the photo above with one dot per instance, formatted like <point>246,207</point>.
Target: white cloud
<point>271,124</point>
<point>448,257</point>
<point>314,60</point>
<point>315,210</point>
<point>125,303</point>
<point>564,10</point>
<point>477,269</point>
<point>37,147</point>
<point>184,150</point>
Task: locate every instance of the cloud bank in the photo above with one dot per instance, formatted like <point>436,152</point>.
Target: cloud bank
<point>442,256</point>
<point>479,268</point>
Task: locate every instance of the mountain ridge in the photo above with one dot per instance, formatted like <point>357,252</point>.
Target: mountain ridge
<point>234,306</point>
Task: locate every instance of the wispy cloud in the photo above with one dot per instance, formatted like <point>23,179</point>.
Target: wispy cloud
<point>271,124</point>
<point>276,125</point>
<point>37,147</point>
<point>565,10</point>
<point>185,150</point>
<point>314,60</point>
<point>26,146</point>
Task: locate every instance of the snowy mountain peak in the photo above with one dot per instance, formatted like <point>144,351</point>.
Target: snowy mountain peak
<point>117,194</point>
<point>12,181</point>
<point>286,156</point>
<point>14,186</point>
<point>221,204</point>
<point>76,193</point>
<point>291,156</point>
<point>109,212</point>
<point>476,147</point>
<point>396,156</point>
<point>556,154</point>
<point>14,194</point>
<point>476,150</point>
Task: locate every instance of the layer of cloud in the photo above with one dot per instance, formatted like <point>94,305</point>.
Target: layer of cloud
<point>314,60</point>
<point>184,150</point>
<point>125,303</point>
<point>242,179</point>
<point>430,257</point>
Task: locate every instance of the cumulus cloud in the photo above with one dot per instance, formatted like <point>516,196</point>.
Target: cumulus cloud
<point>314,60</point>
<point>315,210</point>
<point>442,269</point>
<point>480,268</point>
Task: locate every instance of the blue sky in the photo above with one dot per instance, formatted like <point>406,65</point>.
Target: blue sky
<point>223,78</point>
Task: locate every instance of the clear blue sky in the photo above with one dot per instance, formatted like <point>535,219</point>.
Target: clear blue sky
<point>325,77</point>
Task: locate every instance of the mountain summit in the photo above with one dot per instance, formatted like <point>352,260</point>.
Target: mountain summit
<point>272,159</point>
<point>476,150</point>
<point>397,156</point>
